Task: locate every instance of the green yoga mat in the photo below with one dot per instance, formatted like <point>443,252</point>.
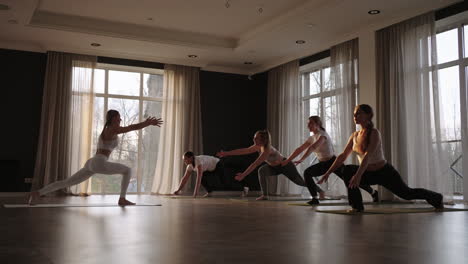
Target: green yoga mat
<point>392,211</point>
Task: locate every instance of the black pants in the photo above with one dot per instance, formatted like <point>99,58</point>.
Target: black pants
<point>210,177</point>
<point>320,169</point>
<point>389,178</point>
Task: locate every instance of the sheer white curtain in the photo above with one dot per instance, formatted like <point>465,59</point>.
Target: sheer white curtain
<point>181,130</point>
<point>408,103</point>
<point>339,107</point>
<point>284,118</point>
<point>65,118</point>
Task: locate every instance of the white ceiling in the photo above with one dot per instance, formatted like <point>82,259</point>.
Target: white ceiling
<point>261,31</point>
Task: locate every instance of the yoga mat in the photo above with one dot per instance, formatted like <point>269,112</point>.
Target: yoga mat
<point>393,211</point>
<point>70,205</point>
<point>346,203</point>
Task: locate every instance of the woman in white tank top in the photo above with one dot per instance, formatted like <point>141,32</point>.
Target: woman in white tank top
<point>205,166</point>
<point>107,142</point>
<point>373,168</point>
<point>319,143</point>
<point>273,159</point>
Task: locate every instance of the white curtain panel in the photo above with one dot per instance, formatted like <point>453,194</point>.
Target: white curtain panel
<point>181,130</point>
<point>408,103</point>
<point>65,118</point>
<point>338,116</point>
<point>284,118</point>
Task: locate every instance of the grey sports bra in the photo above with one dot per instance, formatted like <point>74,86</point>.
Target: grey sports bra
<point>107,144</point>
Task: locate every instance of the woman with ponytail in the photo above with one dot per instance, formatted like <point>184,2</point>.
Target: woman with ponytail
<point>273,159</point>
<point>320,143</point>
<point>373,168</point>
<point>107,142</point>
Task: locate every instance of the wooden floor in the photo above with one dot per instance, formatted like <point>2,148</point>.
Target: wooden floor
<point>222,230</point>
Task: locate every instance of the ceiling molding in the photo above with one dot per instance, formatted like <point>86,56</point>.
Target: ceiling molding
<point>128,31</point>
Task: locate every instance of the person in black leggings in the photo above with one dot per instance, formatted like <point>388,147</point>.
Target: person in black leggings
<point>373,168</point>
<point>320,143</point>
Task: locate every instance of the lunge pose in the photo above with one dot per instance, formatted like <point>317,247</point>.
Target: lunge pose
<point>373,168</point>
<point>273,159</point>
<point>206,167</point>
<point>107,142</point>
<point>319,143</point>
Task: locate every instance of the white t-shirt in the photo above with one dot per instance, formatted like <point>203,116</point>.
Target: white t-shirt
<point>208,163</point>
<point>375,157</point>
<point>325,150</point>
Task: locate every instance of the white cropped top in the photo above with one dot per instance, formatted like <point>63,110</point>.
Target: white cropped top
<point>108,144</point>
<point>274,156</point>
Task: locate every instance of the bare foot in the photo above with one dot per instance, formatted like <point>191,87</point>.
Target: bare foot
<point>125,202</point>
<point>207,195</point>
<point>321,195</point>
<point>354,211</point>
<point>33,198</point>
<point>263,197</point>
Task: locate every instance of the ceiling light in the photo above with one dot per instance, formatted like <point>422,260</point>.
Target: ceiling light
<point>227,5</point>
<point>13,21</point>
<point>248,63</point>
<point>374,12</point>
<point>95,44</point>
<point>310,25</point>
<point>4,7</point>
<point>192,56</point>
<point>149,19</point>
<point>300,41</point>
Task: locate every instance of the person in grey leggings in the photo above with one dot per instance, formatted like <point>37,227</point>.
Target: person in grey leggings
<point>107,142</point>
<point>273,159</point>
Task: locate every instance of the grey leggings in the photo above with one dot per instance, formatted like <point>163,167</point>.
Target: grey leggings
<point>96,164</point>
<point>289,171</point>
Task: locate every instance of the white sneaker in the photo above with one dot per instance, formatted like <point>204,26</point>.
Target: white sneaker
<point>245,192</point>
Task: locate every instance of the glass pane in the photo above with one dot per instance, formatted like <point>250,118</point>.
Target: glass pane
<point>149,147</point>
<point>465,41</point>
<point>314,83</point>
<point>311,108</point>
<point>326,79</point>
<point>447,46</point>
<point>331,117</point>
<point>124,83</point>
<point>97,181</point>
<point>99,80</point>
<point>449,103</point>
<point>152,85</point>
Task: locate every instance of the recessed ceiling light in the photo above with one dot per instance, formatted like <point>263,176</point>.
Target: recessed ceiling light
<point>248,63</point>
<point>95,44</point>
<point>192,56</point>
<point>374,12</point>
<point>310,25</point>
<point>300,41</point>
<point>149,19</point>
<point>4,7</point>
<point>13,21</point>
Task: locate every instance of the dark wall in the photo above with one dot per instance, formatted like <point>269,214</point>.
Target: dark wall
<point>233,107</point>
<point>22,75</point>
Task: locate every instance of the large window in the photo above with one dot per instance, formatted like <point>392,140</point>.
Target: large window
<point>319,97</point>
<point>136,94</point>
<point>452,63</point>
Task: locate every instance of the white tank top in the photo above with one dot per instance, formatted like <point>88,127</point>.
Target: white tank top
<point>325,151</point>
<point>208,163</point>
<point>375,157</point>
